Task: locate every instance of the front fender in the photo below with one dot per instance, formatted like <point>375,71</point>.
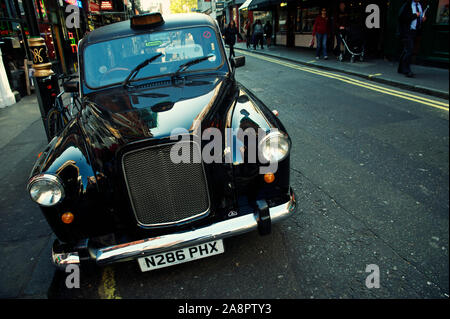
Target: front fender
<point>242,149</point>
<point>66,156</point>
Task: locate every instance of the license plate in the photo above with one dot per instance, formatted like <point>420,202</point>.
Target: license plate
<point>180,256</point>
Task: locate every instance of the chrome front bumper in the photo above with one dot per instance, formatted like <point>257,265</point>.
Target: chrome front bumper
<point>149,246</point>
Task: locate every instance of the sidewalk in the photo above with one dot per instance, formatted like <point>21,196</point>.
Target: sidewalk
<point>429,80</point>
<point>25,264</point>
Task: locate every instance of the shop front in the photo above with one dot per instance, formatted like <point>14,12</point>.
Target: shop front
<point>432,46</point>
<point>262,10</point>
<point>245,16</point>
<point>102,13</point>
<point>14,46</point>
<point>294,21</point>
<point>232,12</point>
<point>60,40</point>
<point>66,37</point>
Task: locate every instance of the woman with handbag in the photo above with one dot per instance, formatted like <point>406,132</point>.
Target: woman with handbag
<point>320,31</point>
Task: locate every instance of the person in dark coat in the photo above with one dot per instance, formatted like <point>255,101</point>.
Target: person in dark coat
<point>248,33</point>
<point>268,33</point>
<point>341,26</point>
<point>230,36</point>
<point>258,34</point>
<point>411,19</point>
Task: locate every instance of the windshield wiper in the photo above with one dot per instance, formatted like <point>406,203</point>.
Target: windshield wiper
<point>186,65</point>
<point>135,71</point>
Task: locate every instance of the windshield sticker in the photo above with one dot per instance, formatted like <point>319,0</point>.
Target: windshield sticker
<point>153,43</point>
<point>207,34</point>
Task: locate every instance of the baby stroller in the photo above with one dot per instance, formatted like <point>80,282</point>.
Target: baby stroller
<point>353,41</point>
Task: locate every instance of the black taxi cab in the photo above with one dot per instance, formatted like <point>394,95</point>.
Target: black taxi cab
<point>169,154</point>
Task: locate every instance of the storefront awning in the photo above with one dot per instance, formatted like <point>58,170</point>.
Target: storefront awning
<point>258,4</point>
<point>245,5</point>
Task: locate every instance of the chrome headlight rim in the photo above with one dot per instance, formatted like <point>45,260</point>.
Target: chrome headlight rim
<point>48,178</point>
<point>274,134</point>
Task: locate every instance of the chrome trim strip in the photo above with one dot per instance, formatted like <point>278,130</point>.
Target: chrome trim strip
<point>141,248</point>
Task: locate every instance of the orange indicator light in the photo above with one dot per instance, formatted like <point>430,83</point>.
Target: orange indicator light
<point>67,218</point>
<point>269,178</point>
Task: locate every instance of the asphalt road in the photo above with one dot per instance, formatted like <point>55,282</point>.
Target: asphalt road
<point>370,171</point>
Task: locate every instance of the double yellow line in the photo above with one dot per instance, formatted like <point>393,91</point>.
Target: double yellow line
<point>107,288</point>
<point>346,79</point>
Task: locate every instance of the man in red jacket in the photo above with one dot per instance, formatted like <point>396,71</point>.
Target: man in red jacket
<point>321,31</point>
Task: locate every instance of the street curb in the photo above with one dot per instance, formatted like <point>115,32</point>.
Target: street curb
<point>415,88</point>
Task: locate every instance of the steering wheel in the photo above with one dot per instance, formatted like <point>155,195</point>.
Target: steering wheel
<point>118,69</point>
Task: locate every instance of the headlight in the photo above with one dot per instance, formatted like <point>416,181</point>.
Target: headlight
<point>46,190</point>
<point>274,147</point>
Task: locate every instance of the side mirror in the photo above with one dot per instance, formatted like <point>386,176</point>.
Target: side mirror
<point>71,86</point>
<point>239,61</point>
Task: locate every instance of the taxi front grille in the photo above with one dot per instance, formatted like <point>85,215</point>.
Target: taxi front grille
<point>162,192</point>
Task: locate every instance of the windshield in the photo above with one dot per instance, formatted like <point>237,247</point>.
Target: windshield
<point>111,62</point>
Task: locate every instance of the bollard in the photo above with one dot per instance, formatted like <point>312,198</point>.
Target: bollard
<point>46,81</point>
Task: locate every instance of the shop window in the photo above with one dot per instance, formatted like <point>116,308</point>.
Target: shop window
<point>442,12</point>
<point>46,33</point>
<point>298,24</point>
<point>308,17</point>
<point>263,16</point>
<point>282,23</point>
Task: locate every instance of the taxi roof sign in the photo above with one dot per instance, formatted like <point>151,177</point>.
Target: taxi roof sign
<point>146,20</point>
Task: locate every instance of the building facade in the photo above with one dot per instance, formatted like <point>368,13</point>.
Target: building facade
<point>293,20</point>
<point>432,47</point>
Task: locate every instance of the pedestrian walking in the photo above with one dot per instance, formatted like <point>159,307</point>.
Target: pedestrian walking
<point>268,33</point>
<point>258,34</point>
<point>341,25</point>
<point>230,36</point>
<point>321,31</point>
<point>248,33</point>
<point>411,19</point>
